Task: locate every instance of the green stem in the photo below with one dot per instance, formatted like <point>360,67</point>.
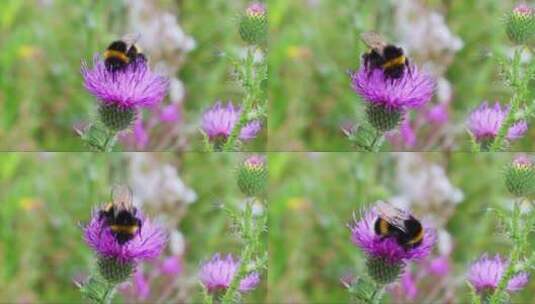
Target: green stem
<point>108,294</point>
<point>377,295</point>
<point>109,140</point>
<point>230,145</point>
<point>245,257</point>
<point>513,257</point>
<point>207,298</point>
<point>378,135</point>
<point>97,290</point>
<point>511,115</point>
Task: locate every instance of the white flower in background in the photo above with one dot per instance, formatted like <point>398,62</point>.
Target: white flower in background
<point>160,32</point>
<point>426,36</point>
<point>177,243</point>
<point>163,38</point>
<point>157,183</point>
<point>177,92</point>
<point>425,185</point>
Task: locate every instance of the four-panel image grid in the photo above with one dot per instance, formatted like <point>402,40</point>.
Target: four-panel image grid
<point>277,151</point>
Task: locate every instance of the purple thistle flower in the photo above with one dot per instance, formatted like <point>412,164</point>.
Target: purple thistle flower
<point>256,9</point>
<point>485,274</point>
<point>255,161</point>
<point>218,122</point>
<point>523,10</point>
<point>171,266</point>
<point>412,90</point>
<point>217,274</point>
<point>135,86</point>
<point>146,245</point>
<point>485,122</point>
<point>363,235</point>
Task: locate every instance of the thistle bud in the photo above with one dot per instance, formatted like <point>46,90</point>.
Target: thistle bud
<point>520,25</point>
<point>252,175</point>
<point>117,118</point>
<point>253,24</point>
<point>383,118</point>
<point>115,271</point>
<point>382,270</point>
<point>520,177</point>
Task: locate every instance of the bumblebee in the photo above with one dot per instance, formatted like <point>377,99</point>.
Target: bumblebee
<point>400,225</point>
<point>121,216</point>
<point>388,57</point>
<point>121,53</point>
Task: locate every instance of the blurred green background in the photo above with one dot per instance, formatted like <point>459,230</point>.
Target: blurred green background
<point>315,42</point>
<point>44,41</point>
<point>46,196</point>
<point>314,195</point>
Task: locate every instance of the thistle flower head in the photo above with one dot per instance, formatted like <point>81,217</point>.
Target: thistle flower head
<point>486,273</point>
<point>252,175</point>
<point>135,86</point>
<point>386,258</point>
<point>218,122</point>
<point>253,24</point>
<point>363,235</point>
<point>147,244</point>
<point>485,122</point>
<point>217,274</point>
<point>412,90</point>
<point>520,24</point>
<point>520,176</point>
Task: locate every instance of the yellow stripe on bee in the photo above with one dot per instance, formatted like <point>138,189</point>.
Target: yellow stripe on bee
<point>124,229</point>
<point>394,62</point>
<point>418,237</point>
<point>383,227</point>
<point>116,54</point>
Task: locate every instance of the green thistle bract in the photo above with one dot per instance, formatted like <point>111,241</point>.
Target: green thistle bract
<point>520,25</point>
<point>115,271</point>
<point>383,271</point>
<point>117,118</point>
<point>520,178</point>
<point>382,118</point>
<point>252,176</point>
<point>253,25</point>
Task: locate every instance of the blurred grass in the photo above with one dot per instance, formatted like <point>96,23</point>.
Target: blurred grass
<point>317,43</point>
<point>43,43</point>
<point>313,197</point>
<point>46,196</point>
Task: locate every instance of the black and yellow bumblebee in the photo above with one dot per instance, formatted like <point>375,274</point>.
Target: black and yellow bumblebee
<point>382,55</point>
<point>121,216</point>
<point>121,53</point>
<point>400,225</point>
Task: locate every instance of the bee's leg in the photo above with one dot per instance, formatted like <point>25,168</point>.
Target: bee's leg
<point>408,66</point>
<point>139,223</point>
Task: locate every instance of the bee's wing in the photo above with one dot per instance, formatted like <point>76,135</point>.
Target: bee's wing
<point>373,40</point>
<point>131,38</point>
<point>122,197</point>
<point>393,215</point>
